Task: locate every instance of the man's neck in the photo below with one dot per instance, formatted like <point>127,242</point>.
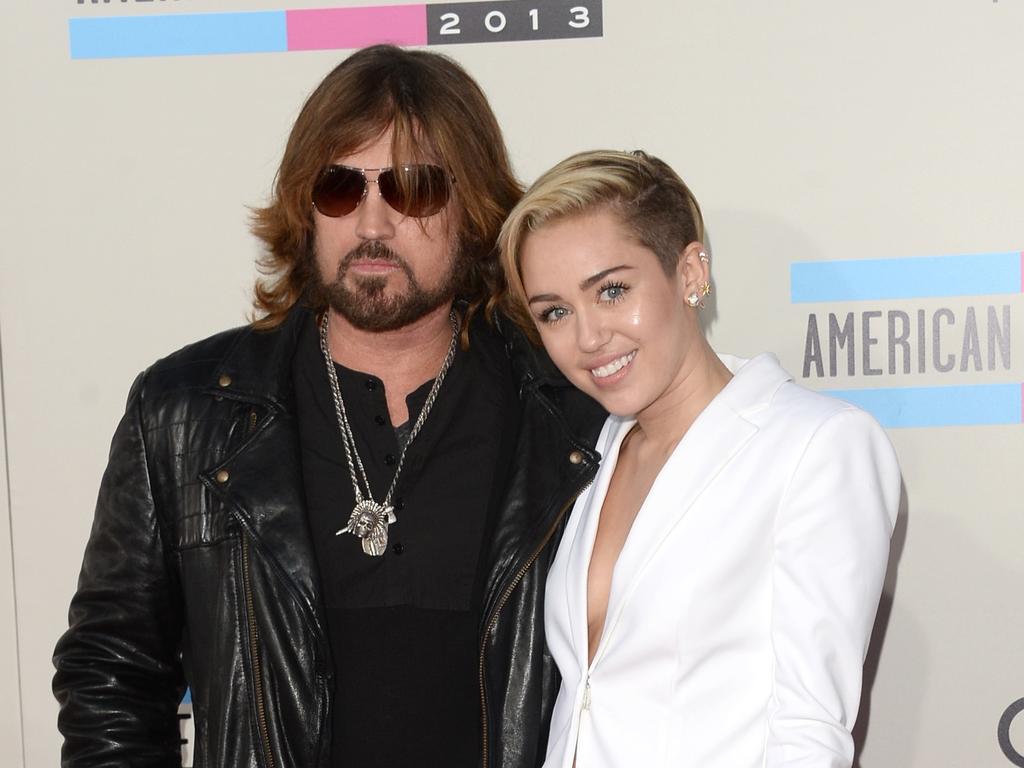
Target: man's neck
<point>403,359</point>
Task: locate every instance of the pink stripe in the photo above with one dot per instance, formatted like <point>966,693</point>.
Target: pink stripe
<point>337,28</point>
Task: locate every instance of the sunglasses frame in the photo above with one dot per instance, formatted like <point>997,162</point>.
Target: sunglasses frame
<point>449,179</point>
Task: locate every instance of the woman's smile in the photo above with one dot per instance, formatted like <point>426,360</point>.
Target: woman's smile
<point>605,372</point>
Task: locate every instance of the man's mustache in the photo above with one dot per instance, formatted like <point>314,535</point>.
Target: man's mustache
<point>371,250</point>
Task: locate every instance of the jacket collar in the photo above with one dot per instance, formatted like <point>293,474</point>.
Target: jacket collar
<point>530,363</point>
<point>259,366</point>
<point>754,383</point>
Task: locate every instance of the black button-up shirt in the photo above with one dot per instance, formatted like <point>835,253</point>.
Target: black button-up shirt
<point>404,627</point>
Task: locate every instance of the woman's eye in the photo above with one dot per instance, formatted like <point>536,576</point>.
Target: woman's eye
<point>612,292</point>
<point>553,314</point>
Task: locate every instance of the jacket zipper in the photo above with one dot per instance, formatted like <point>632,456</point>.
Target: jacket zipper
<point>584,713</point>
<point>254,652</point>
<point>501,604</point>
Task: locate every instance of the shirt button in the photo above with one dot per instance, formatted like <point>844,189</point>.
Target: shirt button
<point>380,420</point>
<point>576,457</point>
<point>222,476</point>
<point>224,380</point>
<point>371,384</point>
<point>398,548</point>
<point>389,460</point>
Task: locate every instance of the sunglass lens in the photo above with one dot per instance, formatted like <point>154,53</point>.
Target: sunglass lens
<point>415,190</point>
<point>338,191</point>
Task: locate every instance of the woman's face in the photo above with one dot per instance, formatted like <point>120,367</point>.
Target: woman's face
<point>610,318</point>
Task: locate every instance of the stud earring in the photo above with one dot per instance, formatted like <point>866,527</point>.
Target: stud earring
<point>704,257</point>
<point>693,300</point>
<point>705,288</point>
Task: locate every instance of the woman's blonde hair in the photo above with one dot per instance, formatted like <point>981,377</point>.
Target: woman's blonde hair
<point>652,202</point>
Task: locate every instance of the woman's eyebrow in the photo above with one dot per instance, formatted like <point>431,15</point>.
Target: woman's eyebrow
<point>585,284</point>
<point>544,297</point>
<point>594,279</point>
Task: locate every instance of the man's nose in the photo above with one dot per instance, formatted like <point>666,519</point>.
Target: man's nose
<point>374,217</point>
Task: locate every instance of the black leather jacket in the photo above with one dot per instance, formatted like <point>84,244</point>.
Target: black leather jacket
<point>200,567</point>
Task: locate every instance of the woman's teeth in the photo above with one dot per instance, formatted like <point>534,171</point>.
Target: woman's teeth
<point>613,366</point>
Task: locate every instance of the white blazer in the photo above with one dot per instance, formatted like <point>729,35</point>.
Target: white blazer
<point>742,602</point>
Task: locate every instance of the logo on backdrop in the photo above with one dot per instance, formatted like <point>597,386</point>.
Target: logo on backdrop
<point>196,34</point>
<point>874,318</point>
<point>186,729</point>
<point>1011,752</point>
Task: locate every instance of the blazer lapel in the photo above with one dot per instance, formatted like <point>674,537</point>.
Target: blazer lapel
<point>582,530</point>
<point>715,439</point>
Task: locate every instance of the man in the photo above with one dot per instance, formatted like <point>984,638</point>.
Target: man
<point>334,525</point>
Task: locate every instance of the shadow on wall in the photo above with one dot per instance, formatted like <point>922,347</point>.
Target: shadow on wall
<point>944,660</point>
<point>899,539</point>
<point>749,309</point>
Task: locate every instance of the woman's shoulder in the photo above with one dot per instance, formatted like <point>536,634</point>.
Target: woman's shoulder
<point>773,395</point>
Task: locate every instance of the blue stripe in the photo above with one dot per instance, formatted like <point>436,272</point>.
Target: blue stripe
<point>859,280</point>
<point>938,406</point>
<point>187,698</point>
<point>178,34</point>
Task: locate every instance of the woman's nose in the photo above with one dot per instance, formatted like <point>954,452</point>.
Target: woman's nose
<point>591,331</point>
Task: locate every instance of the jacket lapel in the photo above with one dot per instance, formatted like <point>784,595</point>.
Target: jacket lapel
<point>715,440</point>
<point>581,532</point>
<point>266,490</point>
<point>264,486</point>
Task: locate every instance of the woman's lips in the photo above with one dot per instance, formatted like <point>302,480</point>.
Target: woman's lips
<point>612,367</point>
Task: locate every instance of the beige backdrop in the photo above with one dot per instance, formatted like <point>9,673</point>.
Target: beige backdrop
<point>809,131</point>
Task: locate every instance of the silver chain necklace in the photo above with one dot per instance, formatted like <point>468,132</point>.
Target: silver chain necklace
<point>369,519</point>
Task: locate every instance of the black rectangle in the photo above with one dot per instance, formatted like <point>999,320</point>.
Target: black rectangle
<point>507,20</point>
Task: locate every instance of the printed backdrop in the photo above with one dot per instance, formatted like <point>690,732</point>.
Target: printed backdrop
<point>862,175</point>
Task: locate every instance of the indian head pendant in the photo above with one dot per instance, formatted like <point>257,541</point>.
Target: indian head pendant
<point>369,521</point>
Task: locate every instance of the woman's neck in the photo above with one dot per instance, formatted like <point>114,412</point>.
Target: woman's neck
<point>662,424</point>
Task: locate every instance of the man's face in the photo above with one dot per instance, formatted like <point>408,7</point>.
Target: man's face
<point>376,268</point>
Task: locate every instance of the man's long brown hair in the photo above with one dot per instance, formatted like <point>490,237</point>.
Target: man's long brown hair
<point>438,114</point>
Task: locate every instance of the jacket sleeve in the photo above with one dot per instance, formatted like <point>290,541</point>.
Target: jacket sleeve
<point>119,678</point>
<point>830,555</point>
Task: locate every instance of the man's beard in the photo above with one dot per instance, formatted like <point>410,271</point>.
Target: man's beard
<point>365,303</point>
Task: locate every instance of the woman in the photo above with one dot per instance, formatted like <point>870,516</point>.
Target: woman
<point>711,600</point>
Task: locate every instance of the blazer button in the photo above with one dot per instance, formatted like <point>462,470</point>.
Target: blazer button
<point>224,380</point>
<point>222,476</point>
<point>576,457</point>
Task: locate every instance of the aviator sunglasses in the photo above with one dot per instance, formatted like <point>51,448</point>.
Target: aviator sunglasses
<point>412,190</point>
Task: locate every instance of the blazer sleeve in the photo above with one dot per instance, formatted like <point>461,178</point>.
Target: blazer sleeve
<point>118,678</point>
<point>831,549</point>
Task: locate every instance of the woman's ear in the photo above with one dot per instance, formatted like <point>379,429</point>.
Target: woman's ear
<point>694,269</point>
